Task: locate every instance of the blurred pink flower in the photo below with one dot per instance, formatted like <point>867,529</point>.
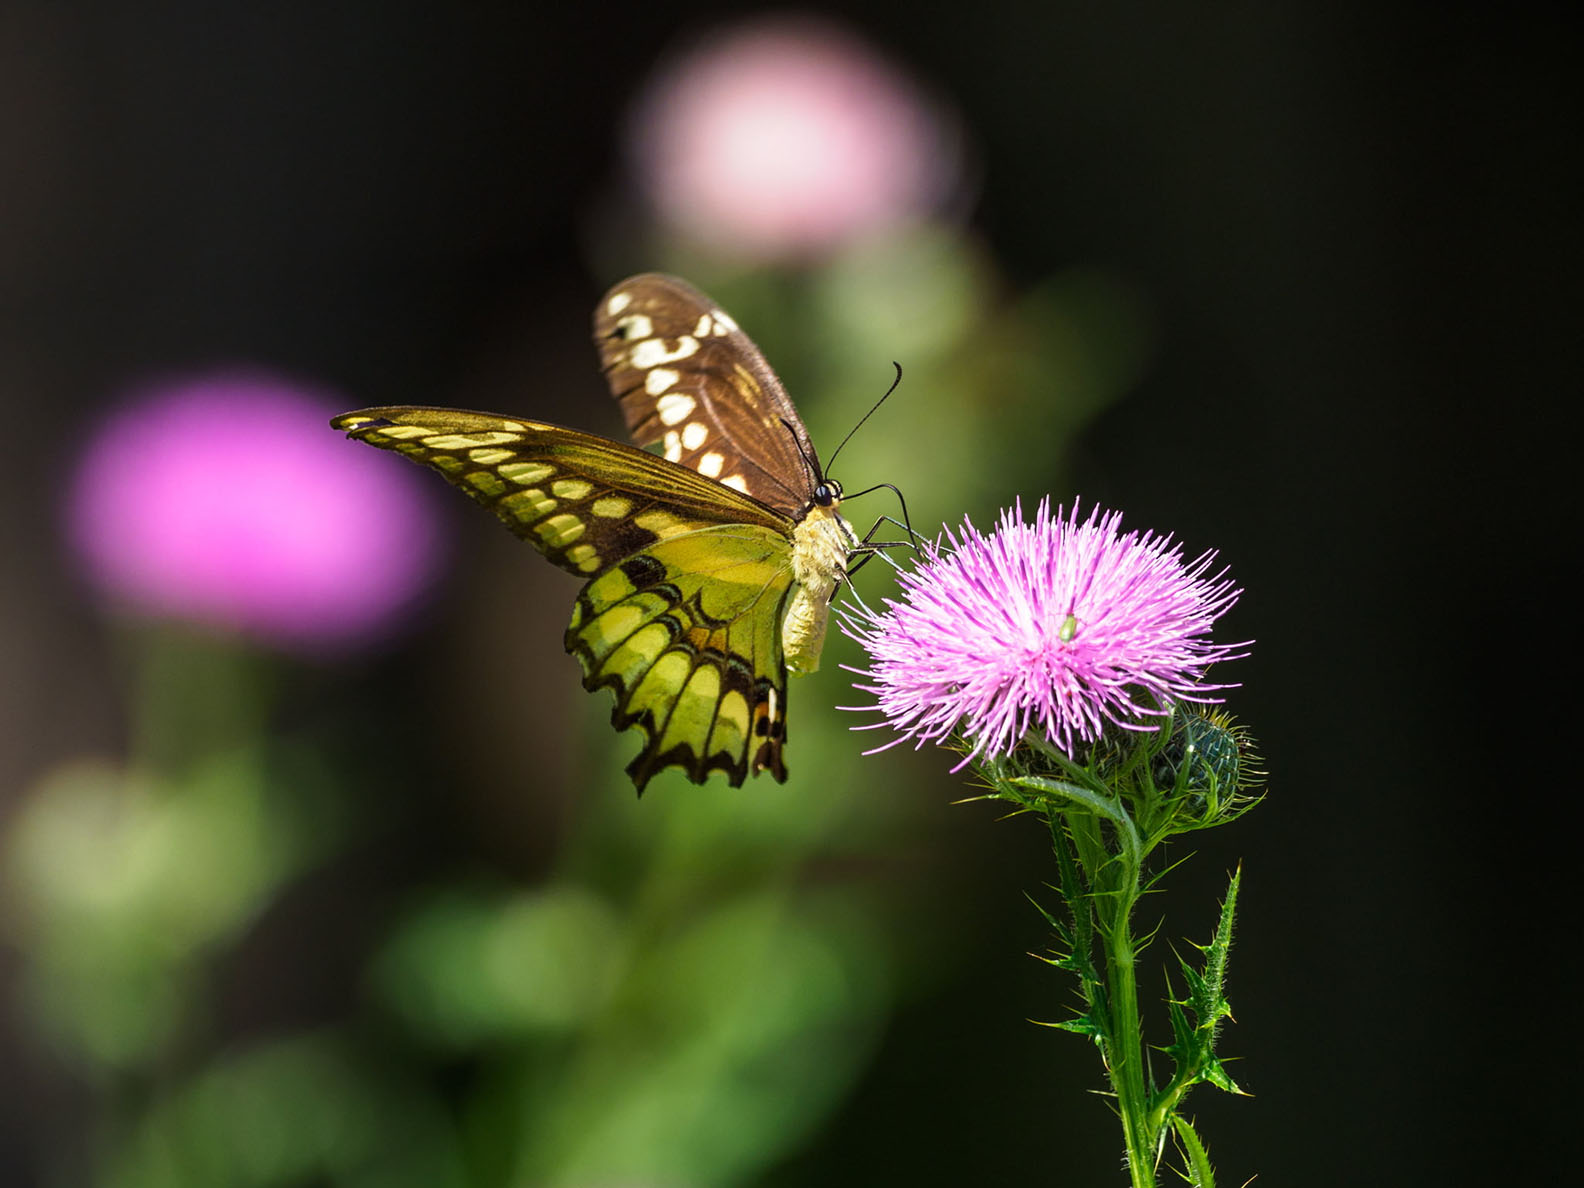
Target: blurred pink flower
<point>220,499</point>
<point>788,136</point>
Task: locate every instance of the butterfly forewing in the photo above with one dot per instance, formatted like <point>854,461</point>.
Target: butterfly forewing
<point>681,617</point>
<point>583,501</point>
<point>693,384</point>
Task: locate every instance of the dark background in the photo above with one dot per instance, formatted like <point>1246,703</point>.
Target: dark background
<point>1353,228</point>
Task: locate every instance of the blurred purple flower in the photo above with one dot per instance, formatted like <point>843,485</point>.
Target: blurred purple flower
<point>1056,625</point>
<point>220,499</point>
<point>788,136</point>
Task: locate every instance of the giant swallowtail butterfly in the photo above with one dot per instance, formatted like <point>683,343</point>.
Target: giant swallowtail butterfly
<point>708,569</point>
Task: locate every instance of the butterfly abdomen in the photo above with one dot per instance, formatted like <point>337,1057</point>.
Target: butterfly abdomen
<point>821,544</point>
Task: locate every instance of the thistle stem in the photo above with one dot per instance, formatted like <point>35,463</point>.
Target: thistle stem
<point>1124,1046</point>
<point>1112,877</point>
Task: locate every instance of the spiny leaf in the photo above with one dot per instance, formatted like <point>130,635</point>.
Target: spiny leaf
<point>1215,1073</point>
<point>1205,989</point>
<point>1082,1024</point>
<point>1057,925</point>
<point>1192,1049</point>
<point>1181,1049</point>
<point>1195,1158</point>
<point>1216,954</point>
<point>1080,939</point>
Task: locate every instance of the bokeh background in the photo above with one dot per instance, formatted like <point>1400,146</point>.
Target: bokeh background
<point>318,868</point>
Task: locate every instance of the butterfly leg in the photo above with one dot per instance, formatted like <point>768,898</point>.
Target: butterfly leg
<point>870,547</point>
<point>907,522</point>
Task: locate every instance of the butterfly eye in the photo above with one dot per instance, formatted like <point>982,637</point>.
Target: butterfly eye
<point>827,493</point>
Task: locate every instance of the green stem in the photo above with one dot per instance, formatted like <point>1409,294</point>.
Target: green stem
<point>1125,1049</point>
<point>1113,889</point>
<point>1112,828</point>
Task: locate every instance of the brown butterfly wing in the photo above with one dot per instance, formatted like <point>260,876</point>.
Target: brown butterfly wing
<point>692,383</point>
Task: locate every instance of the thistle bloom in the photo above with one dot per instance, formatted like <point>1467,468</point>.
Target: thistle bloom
<point>1059,625</point>
<point>220,499</point>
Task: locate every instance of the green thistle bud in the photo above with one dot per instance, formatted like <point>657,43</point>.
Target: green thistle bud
<point>1209,768</point>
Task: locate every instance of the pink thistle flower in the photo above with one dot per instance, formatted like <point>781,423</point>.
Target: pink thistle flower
<point>220,499</point>
<point>788,136</point>
<point>1057,625</point>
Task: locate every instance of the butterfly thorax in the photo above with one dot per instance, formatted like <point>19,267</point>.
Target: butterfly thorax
<point>821,544</point>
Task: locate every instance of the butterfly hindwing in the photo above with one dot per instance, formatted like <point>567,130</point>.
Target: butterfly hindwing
<point>693,384</point>
<point>681,617</point>
<point>687,636</point>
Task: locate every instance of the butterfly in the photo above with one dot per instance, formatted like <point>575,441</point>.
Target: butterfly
<point>708,568</point>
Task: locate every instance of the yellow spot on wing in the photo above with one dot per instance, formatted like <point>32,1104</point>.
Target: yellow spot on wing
<point>467,441</point>
<point>560,531</point>
<point>694,434</point>
<point>607,631</point>
<point>617,303</point>
<point>736,482</point>
<point>659,686</point>
<point>528,505</point>
<point>486,482</point>
<point>526,472</point>
<point>488,455</point>
<point>661,523</point>
<point>637,653</point>
<point>611,507</point>
<point>661,380</point>
<point>610,587</point>
<point>402,432</point>
<point>571,488</point>
<point>731,725</point>
<point>695,707</point>
<point>710,465</point>
<point>585,557</point>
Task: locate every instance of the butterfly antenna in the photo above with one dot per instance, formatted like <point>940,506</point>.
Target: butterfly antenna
<point>814,471</point>
<point>894,385</point>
